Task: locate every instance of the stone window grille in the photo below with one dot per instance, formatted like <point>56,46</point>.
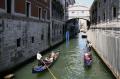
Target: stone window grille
<point>32,39</point>
<point>114,12</point>
<point>42,35</point>
<point>18,42</point>
<point>104,16</point>
<point>99,19</point>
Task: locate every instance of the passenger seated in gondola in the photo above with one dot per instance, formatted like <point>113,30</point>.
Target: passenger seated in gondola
<point>52,54</point>
<point>48,60</point>
<point>87,56</point>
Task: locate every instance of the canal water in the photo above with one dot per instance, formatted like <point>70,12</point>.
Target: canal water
<point>69,64</point>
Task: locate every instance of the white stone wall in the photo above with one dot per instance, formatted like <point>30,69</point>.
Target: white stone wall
<point>83,24</point>
<point>107,44</point>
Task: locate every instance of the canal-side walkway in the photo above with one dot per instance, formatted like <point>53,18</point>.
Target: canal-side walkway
<point>69,65</point>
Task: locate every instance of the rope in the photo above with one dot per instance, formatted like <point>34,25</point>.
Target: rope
<point>50,71</point>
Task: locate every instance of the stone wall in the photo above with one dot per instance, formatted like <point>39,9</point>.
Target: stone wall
<point>32,36</point>
<point>56,32</point>
<point>106,42</point>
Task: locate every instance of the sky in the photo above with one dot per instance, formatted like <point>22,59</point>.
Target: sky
<point>87,3</point>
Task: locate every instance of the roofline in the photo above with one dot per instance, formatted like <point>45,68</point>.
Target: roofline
<point>79,6</point>
<point>79,10</point>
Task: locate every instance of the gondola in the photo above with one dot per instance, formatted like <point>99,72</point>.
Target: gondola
<point>44,65</point>
<point>83,35</point>
<point>87,59</point>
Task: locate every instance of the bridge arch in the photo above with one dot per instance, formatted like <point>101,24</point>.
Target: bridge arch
<point>88,23</point>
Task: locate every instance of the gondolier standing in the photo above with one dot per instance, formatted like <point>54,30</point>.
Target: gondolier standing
<point>39,56</point>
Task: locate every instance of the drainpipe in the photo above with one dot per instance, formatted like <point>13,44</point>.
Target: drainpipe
<point>50,23</point>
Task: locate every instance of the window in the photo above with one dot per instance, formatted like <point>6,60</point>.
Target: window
<point>0,40</point>
<point>104,1</point>
<point>8,6</point>
<point>99,4</point>
<point>42,37</point>
<point>44,14</point>
<point>45,0</point>
<point>18,42</point>
<point>99,19</point>
<point>82,11</point>
<point>40,13</point>
<point>114,12</point>
<point>48,16</point>
<point>32,39</point>
<point>73,12</point>
<point>27,9</point>
<point>104,16</point>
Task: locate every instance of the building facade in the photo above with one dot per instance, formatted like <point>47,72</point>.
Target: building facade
<point>104,32</point>
<point>65,4</point>
<point>26,27</point>
<point>81,12</point>
<point>24,30</point>
<point>58,19</point>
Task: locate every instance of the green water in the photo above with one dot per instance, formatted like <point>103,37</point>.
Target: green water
<point>69,65</point>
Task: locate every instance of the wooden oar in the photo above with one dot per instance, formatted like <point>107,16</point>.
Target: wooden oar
<point>39,56</point>
<point>49,70</point>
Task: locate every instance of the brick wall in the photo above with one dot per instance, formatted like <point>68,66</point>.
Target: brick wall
<point>36,4</point>
<point>34,10</point>
<point>20,6</point>
<point>2,4</point>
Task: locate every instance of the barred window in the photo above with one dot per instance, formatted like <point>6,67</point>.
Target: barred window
<point>18,42</point>
<point>114,12</point>
<point>32,39</point>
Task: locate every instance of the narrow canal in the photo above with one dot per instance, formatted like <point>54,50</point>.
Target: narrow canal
<point>69,65</point>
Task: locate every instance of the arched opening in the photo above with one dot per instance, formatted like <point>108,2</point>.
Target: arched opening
<point>73,26</point>
<point>84,23</point>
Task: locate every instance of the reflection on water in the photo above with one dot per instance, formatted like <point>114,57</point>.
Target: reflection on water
<point>69,65</point>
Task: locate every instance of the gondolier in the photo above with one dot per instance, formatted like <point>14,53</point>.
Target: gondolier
<point>39,56</point>
<point>44,63</point>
